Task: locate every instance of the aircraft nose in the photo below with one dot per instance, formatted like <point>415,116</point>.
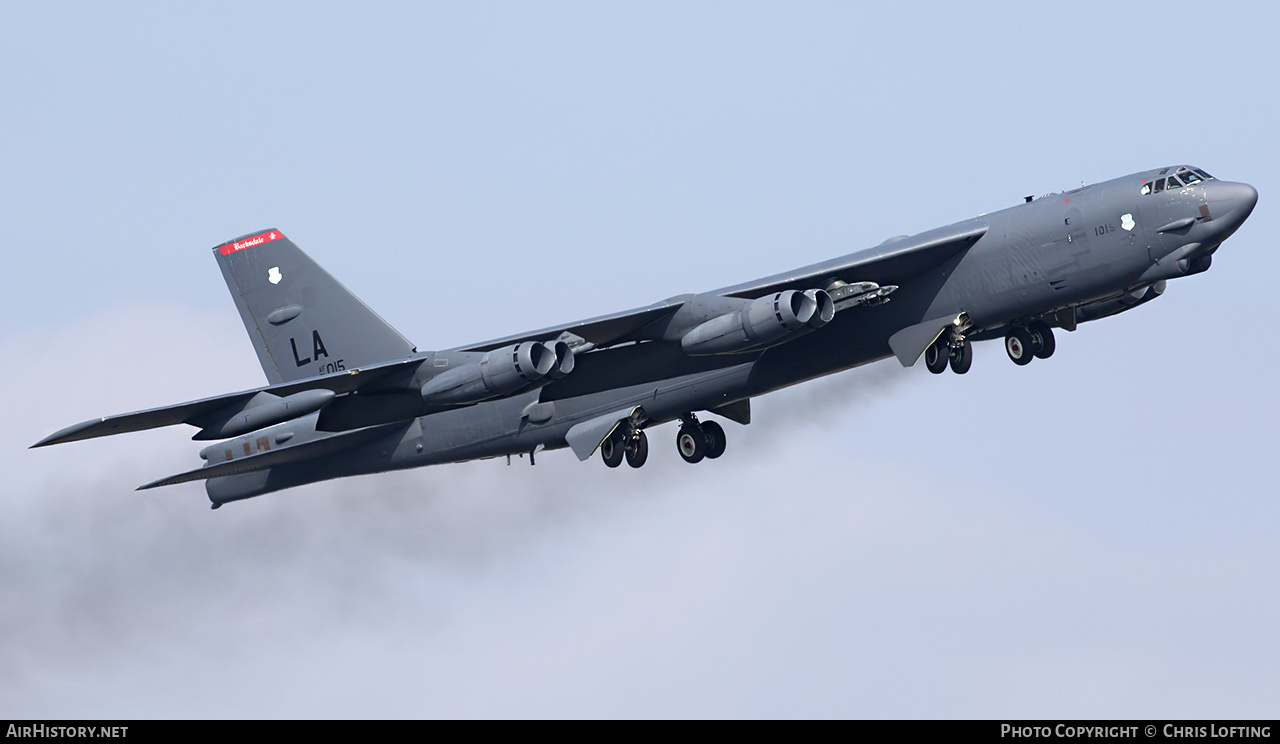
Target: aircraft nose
<point>1232,203</point>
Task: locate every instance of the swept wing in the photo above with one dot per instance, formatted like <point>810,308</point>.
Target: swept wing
<point>193,412</point>
<point>889,263</point>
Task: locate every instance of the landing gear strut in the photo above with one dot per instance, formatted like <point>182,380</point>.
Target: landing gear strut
<point>696,441</point>
<point>962,357</point>
<point>626,442</point>
<point>637,448</point>
<point>951,349</point>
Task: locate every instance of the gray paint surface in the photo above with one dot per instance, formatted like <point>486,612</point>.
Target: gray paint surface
<point>995,274</point>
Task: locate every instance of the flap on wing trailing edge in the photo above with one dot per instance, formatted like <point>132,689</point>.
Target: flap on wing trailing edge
<point>585,437</point>
<point>261,461</point>
<point>888,263</point>
<point>910,342</point>
<point>183,413</point>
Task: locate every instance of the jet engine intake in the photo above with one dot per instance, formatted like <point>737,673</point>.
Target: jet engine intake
<point>825,308</point>
<point>497,374</point>
<point>762,322</point>
<point>564,360</point>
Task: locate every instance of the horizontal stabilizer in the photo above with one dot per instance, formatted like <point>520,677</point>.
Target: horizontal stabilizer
<point>209,408</point>
<point>322,447</point>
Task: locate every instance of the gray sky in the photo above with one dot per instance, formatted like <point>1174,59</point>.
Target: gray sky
<point>1092,536</point>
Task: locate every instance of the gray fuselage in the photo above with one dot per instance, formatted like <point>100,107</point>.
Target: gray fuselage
<point>1036,260</point>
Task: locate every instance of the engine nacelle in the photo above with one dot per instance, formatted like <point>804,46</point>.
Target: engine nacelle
<point>762,322</point>
<point>499,373</point>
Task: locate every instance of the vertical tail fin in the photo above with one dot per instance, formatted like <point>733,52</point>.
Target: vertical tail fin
<point>301,320</point>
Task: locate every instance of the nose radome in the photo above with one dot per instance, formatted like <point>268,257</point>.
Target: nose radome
<point>1248,198</point>
<point>1234,201</point>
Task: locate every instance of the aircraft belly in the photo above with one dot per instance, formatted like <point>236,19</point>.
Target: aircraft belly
<point>859,339</point>
<point>498,428</point>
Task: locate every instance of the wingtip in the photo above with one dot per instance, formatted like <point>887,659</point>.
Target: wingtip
<point>69,434</point>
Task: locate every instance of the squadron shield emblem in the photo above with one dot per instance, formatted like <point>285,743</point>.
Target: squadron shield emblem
<point>1126,221</point>
<point>273,274</point>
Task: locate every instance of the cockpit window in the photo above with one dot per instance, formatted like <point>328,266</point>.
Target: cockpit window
<point>1183,175</point>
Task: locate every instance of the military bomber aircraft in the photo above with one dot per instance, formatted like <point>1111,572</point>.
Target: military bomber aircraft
<point>349,395</point>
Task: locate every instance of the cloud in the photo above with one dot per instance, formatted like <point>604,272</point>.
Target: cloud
<point>836,572</point>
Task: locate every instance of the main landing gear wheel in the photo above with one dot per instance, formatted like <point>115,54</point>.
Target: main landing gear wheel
<point>935,357</point>
<point>1019,345</point>
<point>961,357</point>
<point>637,449</point>
<point>1042,343</point>
<point>611,451</point>
<point>716,440</point>
<point>691,443</point>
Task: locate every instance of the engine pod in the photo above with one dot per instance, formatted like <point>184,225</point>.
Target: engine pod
<point>497,374</point>
<point>764,321</point>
